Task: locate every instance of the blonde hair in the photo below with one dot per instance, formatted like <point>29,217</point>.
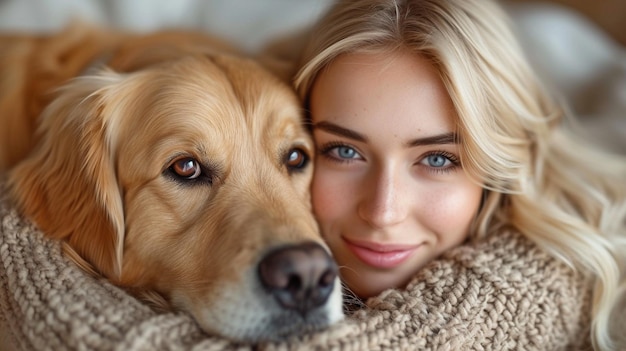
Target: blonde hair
<point>561,193</point>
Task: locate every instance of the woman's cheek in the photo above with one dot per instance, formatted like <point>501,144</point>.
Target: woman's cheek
<point>321,196</point>
<point>328,194</point>
<point>452,210</point>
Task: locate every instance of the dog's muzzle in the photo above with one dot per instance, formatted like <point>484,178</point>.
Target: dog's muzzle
<point>300,277</point>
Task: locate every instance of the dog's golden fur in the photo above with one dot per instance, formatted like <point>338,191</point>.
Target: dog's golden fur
<point>105,171</point>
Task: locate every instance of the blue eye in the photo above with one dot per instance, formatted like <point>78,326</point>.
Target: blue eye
<point>345,152</point>
<point>440,161</point>
<point>437,161</point>
<point>340,152</point>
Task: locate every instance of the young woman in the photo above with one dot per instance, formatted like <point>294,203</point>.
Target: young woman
<point>444,177</point>
<point>432,130</point>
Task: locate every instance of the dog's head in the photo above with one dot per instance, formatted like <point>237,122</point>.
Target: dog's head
<point>188,180</point>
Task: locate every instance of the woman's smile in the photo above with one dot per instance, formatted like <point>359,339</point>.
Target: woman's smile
<point>380,255</point>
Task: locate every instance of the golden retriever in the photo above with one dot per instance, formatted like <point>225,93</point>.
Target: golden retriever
<point>180,172</point>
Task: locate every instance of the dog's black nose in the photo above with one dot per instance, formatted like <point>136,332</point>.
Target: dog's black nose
<point>300,277</point>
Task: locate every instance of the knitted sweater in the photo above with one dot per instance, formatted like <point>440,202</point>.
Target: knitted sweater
<point>499,294</point>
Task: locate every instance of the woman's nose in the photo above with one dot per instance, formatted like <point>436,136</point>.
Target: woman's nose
<point>385,200</point>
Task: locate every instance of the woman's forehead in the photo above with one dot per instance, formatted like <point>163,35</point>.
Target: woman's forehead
<point>374,93</point>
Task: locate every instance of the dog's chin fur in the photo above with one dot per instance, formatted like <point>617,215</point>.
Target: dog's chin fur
<point>100,178</point>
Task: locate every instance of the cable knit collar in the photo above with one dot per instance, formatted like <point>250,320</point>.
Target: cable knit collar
<point>502,293</point>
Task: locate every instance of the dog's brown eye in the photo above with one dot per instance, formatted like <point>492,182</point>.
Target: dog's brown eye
<point>187,168</point>
<point>296,159</point>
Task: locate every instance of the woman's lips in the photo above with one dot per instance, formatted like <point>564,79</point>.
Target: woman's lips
<point>380,256</point>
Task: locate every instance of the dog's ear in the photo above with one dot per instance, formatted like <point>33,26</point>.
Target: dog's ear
<point>68,184</point>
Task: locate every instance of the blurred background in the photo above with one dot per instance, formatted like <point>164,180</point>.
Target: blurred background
<point>610,15</point>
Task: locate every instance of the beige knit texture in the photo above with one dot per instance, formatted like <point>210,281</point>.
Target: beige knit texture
<point>499,294</point>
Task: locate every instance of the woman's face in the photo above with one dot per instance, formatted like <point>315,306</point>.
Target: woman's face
<point>388,189</point>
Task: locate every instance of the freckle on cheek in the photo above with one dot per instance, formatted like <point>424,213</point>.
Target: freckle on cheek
<point>448,210</point>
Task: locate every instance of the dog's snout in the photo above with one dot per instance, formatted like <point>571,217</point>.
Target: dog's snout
<point>300,277</point>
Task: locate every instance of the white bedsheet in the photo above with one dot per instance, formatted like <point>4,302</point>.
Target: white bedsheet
<point>249,23</point>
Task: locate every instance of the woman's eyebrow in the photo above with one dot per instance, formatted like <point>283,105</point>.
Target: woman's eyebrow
<point>338,130</point>
<point>446,138</point>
